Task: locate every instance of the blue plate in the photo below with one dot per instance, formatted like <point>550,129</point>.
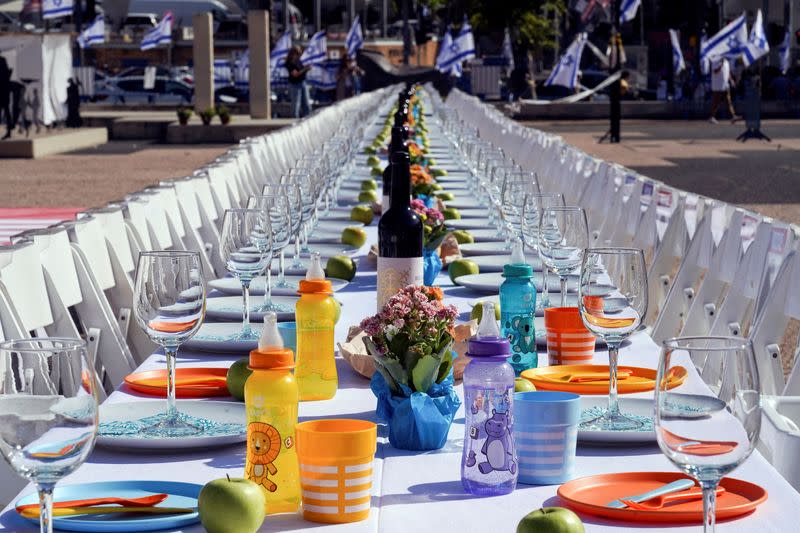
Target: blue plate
<point>180,495</point>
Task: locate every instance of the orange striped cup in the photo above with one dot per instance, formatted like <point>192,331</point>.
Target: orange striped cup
<point>568,340</point>
<point>335,458</point>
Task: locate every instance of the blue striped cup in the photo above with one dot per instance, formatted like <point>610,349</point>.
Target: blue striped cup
<point>546,435</point>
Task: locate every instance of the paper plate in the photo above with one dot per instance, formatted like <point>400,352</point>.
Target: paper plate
<point>473,212</point>
<point>180,495</point>
<point>635,406</point>
<point>464,203</point>
<point>326,251</point>
<point>226,423</point>
<point>328,225</point>
<point>232,285</point>
<point>216,338</point>
<point>230,308</point>
<point>591,495</point>
<point>484,248</point>
<point>486,235</point>
<point>490,283</point>
<point>154,382</point>
<point>468,223</point>
<point>640,379</point>
<point>495,263</point>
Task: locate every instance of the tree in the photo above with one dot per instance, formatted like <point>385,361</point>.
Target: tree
<point>528,20</point>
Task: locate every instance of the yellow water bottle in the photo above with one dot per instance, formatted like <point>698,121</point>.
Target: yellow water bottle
<point>271,398</point>
<point>315,315</point>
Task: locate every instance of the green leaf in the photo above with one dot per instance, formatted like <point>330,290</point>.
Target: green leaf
<point>445,366</point>
<point>411,358</point>
<point>399,344</point>
<point>388,377</point>
<point>424,373</point>
<point>396,370</point>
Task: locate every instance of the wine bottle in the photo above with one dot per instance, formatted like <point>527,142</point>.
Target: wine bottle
<point>397,144</point>
<point>399,236</point>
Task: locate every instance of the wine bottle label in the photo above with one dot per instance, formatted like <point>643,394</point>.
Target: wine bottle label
<point>394,273</point>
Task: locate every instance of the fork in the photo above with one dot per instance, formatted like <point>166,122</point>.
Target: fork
<point>658,502</point>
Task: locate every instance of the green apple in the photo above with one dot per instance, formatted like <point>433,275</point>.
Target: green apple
<point>523,385</point>
<point>341,267</point>
<point>550,520</point>
<point>362,213</point>
<point>477,311</point>
<point>461,267</point>
<point>376,171</point>
<point>436,187</point>
<point>368,196</point>
<point>448,197</point>
<point>373,161</point>
<point>431,162</point>
<point>451,213</point>
<point>369,185</point>
<point>231,505</point>
<point>463,236</point>
<point>438,172</point>
<point>369,150</point>
<point>236,378</point>
<point>354,237</point>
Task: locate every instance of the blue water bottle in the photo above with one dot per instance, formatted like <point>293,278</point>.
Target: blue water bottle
<point>518,310</point>
<point>489,458</point>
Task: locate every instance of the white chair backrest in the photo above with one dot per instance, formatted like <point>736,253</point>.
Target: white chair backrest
<point>116,231</point>
<point>21,272</point>
<point>88,233</point>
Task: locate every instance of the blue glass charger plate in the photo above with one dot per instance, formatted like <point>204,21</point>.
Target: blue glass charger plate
<point>638,408</point>
<point>180,495</point>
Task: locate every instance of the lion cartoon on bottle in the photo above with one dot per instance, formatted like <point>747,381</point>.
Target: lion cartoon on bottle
<point>264,445</point>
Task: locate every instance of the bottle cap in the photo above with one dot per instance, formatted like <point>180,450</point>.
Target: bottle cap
<point>270,353</point>
<point>517,255</point>
<point>315,270</point>
<point>315,286</point>
<point>488,326</point>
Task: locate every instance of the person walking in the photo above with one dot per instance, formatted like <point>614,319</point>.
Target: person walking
<point>298,89</point>
<point>5,95</point>
<point>721,88</point>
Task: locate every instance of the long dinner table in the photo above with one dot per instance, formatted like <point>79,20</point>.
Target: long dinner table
<point>420,491</point>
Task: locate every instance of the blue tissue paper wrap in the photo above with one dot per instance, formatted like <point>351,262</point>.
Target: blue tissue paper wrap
<point>417,421</point>
<point>431,266</point>
<point>428,200</point>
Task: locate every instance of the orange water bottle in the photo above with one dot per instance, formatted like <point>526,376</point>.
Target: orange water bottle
<point>271,398</point>
<point>315,315</point>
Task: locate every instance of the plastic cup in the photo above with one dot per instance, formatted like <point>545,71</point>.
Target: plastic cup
<point>546,436</point>
<point>568,340</point>
<point>288,331</point>
<point>336,458</point>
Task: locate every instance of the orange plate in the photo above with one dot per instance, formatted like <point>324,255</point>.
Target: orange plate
<point>591,494</point>
<point>154,382</point>
<point>639,380</point>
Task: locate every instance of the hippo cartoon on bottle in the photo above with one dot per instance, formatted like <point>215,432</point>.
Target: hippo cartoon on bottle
<point>499,446</point>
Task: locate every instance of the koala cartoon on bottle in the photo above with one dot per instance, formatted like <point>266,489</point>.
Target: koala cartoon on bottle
<point>499,447</point>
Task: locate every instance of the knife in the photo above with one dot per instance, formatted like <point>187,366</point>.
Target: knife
<point>675,486</point>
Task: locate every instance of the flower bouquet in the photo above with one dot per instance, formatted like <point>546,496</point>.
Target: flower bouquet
<point>433,233</point>
<point>411,341</point>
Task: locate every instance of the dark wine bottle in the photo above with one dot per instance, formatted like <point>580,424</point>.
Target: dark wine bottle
<point>397,144</point>
<point>399,236</point>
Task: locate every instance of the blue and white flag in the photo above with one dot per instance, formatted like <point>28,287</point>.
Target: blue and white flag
<point>161,34</point>
<point>95,33</point>
<point>52,9</point>
<point>678,64</point>
<point>241,74</point>
<point>705,63</point>
<point>443,63</point>
<point>223,72</point>
<point>628,9</point>
<point>757,45</point>
<point>355,39</point>
<point>728,42</point>
<point>316,51</point>
<point>277,58</point>
<point>508,52</point>
<point>455,51</point>
<point>785,51</point>
<point>565,73</point>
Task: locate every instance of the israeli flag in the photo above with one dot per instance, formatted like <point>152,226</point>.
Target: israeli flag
<point>443,63</point>
<point>678,64</point>
<point>508,52</point>
<point>565,73</point>
<point>222,72</point>
<point>52,9</point>
<point>757,45</point>
<point>316,51</point>
<point>729,41</point>
<point>628,9</point>
<point>785,51</point>
<point>456,50</point>
<point>161,34</point>
<point>95,33</point>
<point>705,63</point>
<point>355,39</point>
<point>277,58</point>
<point>241,75</point>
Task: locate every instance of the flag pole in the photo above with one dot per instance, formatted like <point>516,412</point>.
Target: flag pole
<point>615,100</point>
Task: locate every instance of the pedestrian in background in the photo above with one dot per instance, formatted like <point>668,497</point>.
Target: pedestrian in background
<point>721,88</point>
<point>298,89</point>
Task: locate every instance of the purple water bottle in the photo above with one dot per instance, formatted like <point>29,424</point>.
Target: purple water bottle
<point>489,460</point>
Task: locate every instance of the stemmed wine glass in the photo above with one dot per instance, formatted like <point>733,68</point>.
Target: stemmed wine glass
<point>512,199</point>
<point>612,298</point>
<point>276,210</point>
<point>533,205</point>
<point>246,249</point>
<point>563,235</point>
<point>292,193</point>
<point>710,444</point>
<point>169,303</point>
<point>48,412</point>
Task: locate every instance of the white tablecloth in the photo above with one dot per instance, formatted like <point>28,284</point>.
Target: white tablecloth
<point>421,492</point>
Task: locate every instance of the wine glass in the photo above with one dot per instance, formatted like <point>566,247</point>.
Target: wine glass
<point>292,192</point>
<point>563,235</point>
<point>532,206</point>
<point>246,250</point>
<point>612,298</point>
<point>710,444</point>
<point>512,199</point>
<point>276,209</point>
<point>169,304</point>
<point>48,412</point>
